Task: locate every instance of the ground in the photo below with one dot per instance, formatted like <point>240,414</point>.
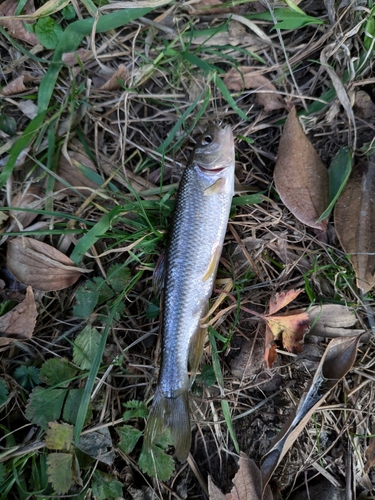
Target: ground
<point>101,106</point>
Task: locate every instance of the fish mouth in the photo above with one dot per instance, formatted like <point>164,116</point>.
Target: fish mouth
<point>211,170</point>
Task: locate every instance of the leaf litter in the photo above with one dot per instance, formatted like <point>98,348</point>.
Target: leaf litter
<point>129,132</point>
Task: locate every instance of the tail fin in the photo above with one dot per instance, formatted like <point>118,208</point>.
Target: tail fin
<point>175,414</point>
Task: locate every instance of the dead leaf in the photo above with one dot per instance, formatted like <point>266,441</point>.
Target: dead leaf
<point>355,223</point>
<point>364,107</point>
<point>290,327</point>
<point>247,484</point>
<point>73,174</point>
<point>282,299</point>
<point>73,58</point>
<point>301,178</point>
<point>370,455</point>
<point>32,198</point>
<point>210,7</point>
<point>115,82</point>
<point>14,27</point>
<point>41,266</point>
<point>17,86</point>
<point>19,323</point>
<point>332,321</point>
<point>248,77</point>
<point>337,360</point>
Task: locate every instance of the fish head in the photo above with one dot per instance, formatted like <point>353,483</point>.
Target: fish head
<point>214,151</point>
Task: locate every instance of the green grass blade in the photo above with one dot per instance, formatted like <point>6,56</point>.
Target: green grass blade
<point>208,68</point>
<point>72,37</point>
<point>220,381</point>
<point>250,199</point>
<point>23,142</point>
<point>338,173</point>
<point>85,401</point>
<point>92,236</point>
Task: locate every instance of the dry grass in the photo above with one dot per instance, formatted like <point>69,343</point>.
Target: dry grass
<point>267,250</point>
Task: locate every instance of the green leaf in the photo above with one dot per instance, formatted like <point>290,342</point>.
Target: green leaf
<point>68,12</point>
<point>3,473</point>
<point>86,302</point>
<point>22,143</point>
<point>96,232</point>
<point>59,436</point>
<point>99,284</point>
<point>72,37</point>
<point>136,409</point>
<point>45,405</point>
<point>250,199</point>
<point>57,371</point>
<point>290,19</point>
<point>27,376</point>
<point>152,311</point>
<point>73,400</point>
<point>119,276</point>
<point>48,32</point>
<point>85,347</point>
<point>207,376</point>
<point>156,463</point>
<point>129,437</point>
<point>60,472</point>
<point>8,124</point>
<point>338,173</point>
<point>104,487</point>
<point>3,392</point>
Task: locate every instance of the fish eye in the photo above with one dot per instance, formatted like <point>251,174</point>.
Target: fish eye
<point>206,140</point>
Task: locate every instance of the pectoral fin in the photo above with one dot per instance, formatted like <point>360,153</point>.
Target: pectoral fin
<point>215,188</point>
<point>212,266</point>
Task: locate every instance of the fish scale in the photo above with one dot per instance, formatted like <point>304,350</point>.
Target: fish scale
<point>196,238</point>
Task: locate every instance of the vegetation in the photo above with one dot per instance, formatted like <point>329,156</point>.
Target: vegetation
<point>100,106</point>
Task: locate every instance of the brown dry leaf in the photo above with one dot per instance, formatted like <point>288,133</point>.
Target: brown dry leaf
<point>247,484</point>
<point>355,223</point>
<point>301,178</point>
<point>14,27</point>
<point>41,266</point>
<point>72,58</point>
<point>211,7</point>
<point>364,107</point>
<point>32,198</point>
<point>282,299</point>
<point>71,173</point>
<point>17,86</point>
<point>114,83</point>
<point>337,360</point>
<point>370,455</point>
<point>333,320</point>
<point>247,77</point>
<point>19,323</point>
<point>291,327</point>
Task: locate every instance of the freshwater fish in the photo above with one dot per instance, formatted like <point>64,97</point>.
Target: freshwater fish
<point>196,239</point>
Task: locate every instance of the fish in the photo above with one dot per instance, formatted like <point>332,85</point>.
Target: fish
<point>196,240</point>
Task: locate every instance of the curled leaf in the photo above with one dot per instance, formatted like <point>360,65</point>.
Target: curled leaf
<point>41,266</point>
<point>355,223</point>
<point>15,27</point>
<point>32,198</point>
<point>247,484</point>
<point>249,78</point>
<point>78,173</point>
<point>17,86</point>
<point>333,320</point>
<point>19,323</point>
<point>337,360</point>
<point>301,178</point>
<point>120,76</point>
